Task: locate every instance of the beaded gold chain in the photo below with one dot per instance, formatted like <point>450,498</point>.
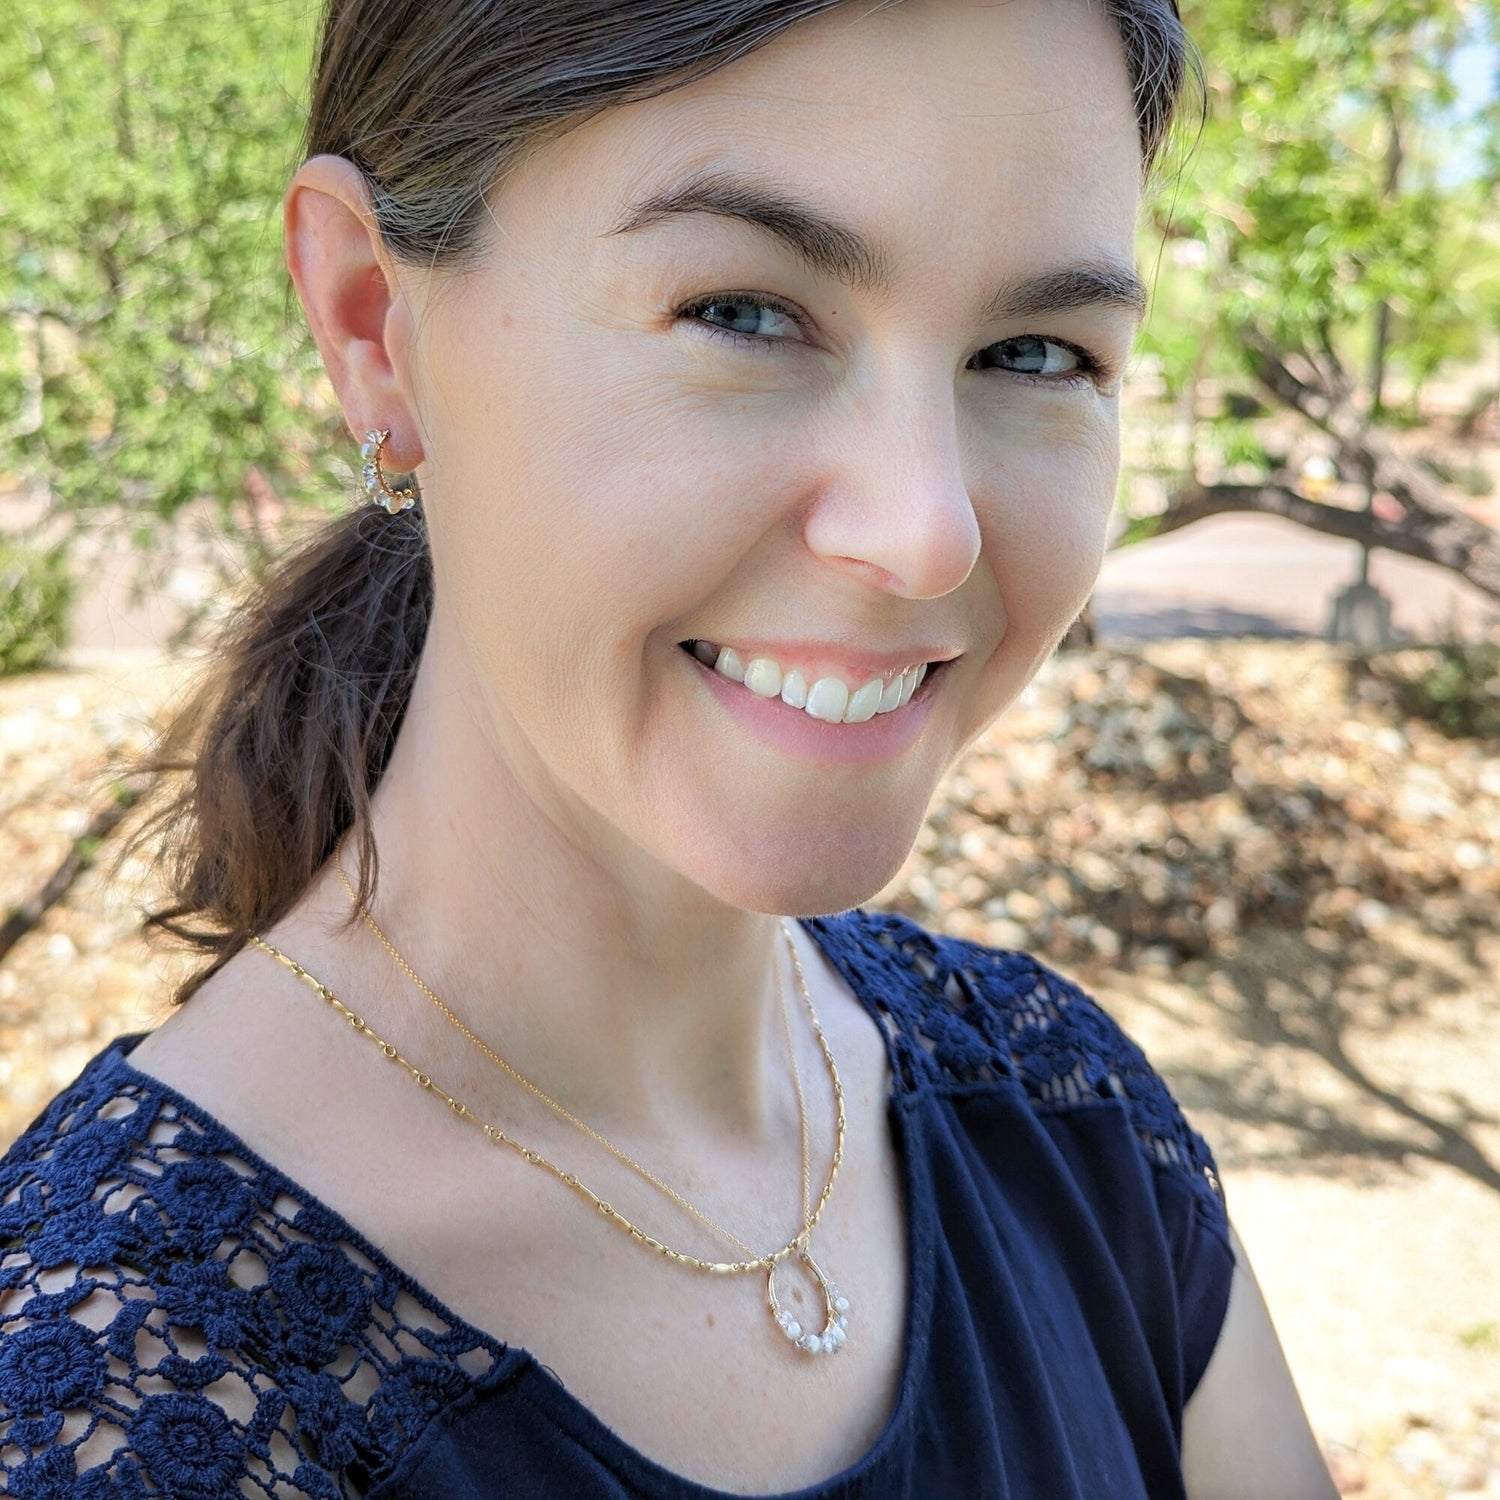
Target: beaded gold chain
<point>836,1306</point>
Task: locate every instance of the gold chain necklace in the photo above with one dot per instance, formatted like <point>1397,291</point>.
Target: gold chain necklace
<point>489,1053</point>
<point>836,1306</point>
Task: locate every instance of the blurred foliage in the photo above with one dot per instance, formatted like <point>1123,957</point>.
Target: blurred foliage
<point>36,593</point>
<point>146,350</point>
<point>1455,684</point>
<point>1332,179</point>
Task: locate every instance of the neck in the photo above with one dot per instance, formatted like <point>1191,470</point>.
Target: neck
<point>616,986</point>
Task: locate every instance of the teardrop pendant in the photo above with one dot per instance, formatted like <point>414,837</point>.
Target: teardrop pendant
<point>836,1310</point>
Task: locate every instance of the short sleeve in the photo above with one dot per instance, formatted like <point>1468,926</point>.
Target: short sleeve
<point>1068,1054</point>
<point>967,1020</point>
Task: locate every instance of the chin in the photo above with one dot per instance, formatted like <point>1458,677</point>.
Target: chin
<point>809,874</point>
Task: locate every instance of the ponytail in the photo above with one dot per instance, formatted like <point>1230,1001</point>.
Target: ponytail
<point>276,754</point>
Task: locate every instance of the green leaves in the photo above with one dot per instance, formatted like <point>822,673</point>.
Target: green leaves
<point>1323,188</point>
<point>144,148</point>
<point>36,594</point>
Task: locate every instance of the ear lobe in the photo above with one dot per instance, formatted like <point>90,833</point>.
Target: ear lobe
<point>352,298</point>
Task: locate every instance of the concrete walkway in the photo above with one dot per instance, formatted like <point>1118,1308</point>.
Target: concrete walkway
<point>1262,576</point>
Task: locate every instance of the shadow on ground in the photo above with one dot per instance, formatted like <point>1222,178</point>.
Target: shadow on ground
<point>1309,1042</point>
<point>1160,624</point>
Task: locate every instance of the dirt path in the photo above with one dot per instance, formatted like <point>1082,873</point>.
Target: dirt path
<point>1343,1065</point>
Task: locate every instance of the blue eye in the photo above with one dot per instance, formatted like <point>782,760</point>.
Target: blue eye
<point>1040,358</point>
<point>743,317</point>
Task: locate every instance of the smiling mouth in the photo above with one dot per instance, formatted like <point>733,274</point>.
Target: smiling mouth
<point>829,699</point>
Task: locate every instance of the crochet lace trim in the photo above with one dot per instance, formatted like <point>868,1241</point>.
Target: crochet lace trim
<point>962,1018</point>
<point>175,1320</point>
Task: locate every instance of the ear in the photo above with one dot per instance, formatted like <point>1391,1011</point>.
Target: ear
<point>359,314</point>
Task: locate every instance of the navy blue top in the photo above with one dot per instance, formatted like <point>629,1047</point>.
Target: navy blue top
<point>178,1318</point>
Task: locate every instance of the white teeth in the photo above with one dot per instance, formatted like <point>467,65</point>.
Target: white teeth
<point>863,704</point>
<point>763,677</point>
<point>827,699</point>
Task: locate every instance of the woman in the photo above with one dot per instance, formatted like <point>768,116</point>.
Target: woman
<point>748,374</point>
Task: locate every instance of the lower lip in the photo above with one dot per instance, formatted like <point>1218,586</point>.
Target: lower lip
<point>805,738</point>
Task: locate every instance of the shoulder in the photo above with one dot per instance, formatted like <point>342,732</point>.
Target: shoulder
<point>968,1022</point>
<point>164,1293</point>
<point>963,1018</point>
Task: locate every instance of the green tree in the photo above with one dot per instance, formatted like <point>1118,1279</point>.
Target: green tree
<point>147,358</point>
<point>1333,248</point>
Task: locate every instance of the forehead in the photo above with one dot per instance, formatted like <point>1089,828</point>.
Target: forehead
<point>920,121</point>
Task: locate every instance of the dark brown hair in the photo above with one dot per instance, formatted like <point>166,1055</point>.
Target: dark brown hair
<point>278,751</point>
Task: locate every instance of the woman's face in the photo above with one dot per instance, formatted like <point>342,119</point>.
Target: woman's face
<point>816,359</point>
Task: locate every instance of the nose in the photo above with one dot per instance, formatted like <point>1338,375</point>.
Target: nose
<point>893,507</point>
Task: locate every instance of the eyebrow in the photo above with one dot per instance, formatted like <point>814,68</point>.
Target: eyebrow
<point>1093,284</point>
<point>828,247</point>
<point>843,254</point>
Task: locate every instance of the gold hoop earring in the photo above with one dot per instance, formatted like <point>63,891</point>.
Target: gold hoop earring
<point>394,497</point>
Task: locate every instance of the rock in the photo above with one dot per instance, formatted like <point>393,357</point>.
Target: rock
<point>1222,918</point>
<point>1023,907</point>
<point>974,845</point>
<point>1469,855</point>
<point>1348,1469</point>
<point>1096,872</point>
<point>1418,1452</point>
<point>1003,933</point>
<point>1105,942</point>
<point>1157,957</point>
<point>60,947</point>
<point>1186,811</point>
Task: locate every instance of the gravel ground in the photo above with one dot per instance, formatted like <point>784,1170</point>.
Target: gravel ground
<point>1283,888</point>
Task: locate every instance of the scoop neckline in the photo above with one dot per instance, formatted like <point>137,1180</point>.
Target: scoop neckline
<point>571,1415</point>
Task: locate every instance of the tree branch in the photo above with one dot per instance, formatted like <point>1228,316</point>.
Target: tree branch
<point>21,919</point>
<point>1452,540</point>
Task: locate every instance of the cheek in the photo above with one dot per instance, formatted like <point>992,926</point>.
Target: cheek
<point>600,501</point>
<point>662,497</point>
<point>1048,521</point>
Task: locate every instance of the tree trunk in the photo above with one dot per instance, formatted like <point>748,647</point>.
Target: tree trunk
<point>21,919</point>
